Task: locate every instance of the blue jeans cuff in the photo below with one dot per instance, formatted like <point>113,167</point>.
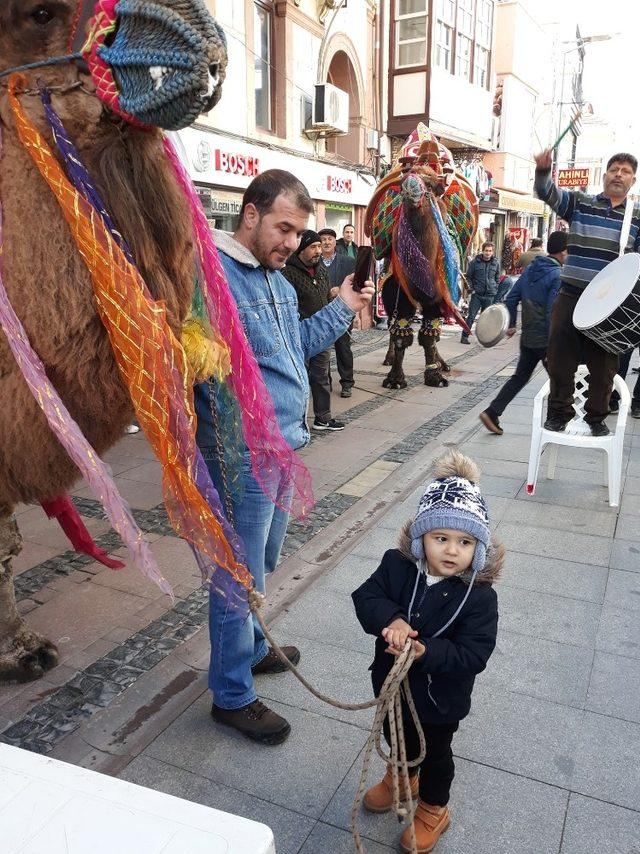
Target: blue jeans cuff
<point>238,703</point>
<point>261,652</point>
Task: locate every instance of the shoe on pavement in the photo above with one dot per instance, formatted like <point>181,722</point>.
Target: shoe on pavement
<point>255,721</point>
<point>491,422</point>
<point>635,409</point>
<point>614,407</point>
<point>131,429</point>
<point>555,425</point>
<point>333,425</point>
<point>464,339</point>
<point>379,798</point>
<point>346,392</point>
<point>430,822</point>
<point>635,370</point>
<point>599,429</point>
<point>272,663</point>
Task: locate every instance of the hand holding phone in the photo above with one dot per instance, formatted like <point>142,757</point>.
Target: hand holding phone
<point>365,267</point>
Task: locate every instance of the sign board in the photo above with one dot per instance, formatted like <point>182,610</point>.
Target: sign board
<point>573,177</point>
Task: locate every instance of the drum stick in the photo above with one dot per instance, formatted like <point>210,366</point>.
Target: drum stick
<point>572,124</point>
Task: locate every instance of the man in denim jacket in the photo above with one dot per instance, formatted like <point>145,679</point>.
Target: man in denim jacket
<point>274,214</point>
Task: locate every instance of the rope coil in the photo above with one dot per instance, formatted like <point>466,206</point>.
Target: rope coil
<point>388,703</point>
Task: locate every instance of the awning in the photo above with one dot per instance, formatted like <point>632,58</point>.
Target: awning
<point>515,202</point>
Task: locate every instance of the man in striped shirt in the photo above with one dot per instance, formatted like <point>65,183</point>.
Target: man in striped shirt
<point>594,240</point>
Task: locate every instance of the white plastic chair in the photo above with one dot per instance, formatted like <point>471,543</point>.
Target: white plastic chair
<point>578,435</point>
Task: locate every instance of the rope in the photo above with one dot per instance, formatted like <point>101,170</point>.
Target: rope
<point>388,703</point>
<point>43,63</point>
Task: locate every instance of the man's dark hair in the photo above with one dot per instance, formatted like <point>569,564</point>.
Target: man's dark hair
<point>536,242</point>
<point>624,157</point>
<point>265,189</point>
<point>557,242</point>
<point>348,225</point>
<point>488,243</point>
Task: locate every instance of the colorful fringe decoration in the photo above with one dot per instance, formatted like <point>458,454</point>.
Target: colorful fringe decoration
<point>281,474</point>
<point>409,261</point>
<point>70,437</point>
<point>151,362</point>
<point>450,262</point>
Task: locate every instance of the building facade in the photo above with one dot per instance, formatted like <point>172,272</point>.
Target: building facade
<point>278,51</point>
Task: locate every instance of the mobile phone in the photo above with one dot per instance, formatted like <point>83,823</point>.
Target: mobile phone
<point>365,267</point>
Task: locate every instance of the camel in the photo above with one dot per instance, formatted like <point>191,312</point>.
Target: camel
<point>421,219</point>
<point>49,285</point>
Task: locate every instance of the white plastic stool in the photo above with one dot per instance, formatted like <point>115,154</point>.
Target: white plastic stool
<point>578,435</point>
<point>50,807</point>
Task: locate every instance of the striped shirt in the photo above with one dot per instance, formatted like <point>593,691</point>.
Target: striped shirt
<point>594,232</point>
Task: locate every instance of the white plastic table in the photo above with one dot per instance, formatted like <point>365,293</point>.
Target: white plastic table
<point>50,807</point>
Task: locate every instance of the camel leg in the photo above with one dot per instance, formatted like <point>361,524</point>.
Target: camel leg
<point>401,337</point>
<point>444,366</point>
<point>428,338</point>
<point>388,359</point>
<point>24,654</point>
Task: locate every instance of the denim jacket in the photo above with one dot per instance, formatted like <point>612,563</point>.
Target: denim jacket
<point>282,344</point>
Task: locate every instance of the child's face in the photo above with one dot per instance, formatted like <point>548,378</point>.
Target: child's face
<point>448,552</point>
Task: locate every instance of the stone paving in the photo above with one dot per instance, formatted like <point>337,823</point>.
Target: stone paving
<point>547,760</point>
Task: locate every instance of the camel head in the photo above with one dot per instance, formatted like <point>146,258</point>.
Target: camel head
<point>184,67</point>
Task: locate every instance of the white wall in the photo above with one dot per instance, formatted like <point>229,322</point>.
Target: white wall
<point>461,106</point>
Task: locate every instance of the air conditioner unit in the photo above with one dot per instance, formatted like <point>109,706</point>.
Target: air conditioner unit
<point>373,140</point>
<point>330,109</point>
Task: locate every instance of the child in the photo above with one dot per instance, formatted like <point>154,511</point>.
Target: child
<point>435,589</point>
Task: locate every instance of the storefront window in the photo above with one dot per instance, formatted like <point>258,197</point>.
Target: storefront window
<point>262,38</point>
<point>337,216</point>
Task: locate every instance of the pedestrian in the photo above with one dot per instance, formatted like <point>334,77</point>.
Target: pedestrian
<point>310,280</point>
<point>338,267</point>
<point>595,238</point>
<point>483,279</point>
<point>346,244</point>
<point>436,590</point>
<point>274,215</point>
<point>504,286</point>
<point>532,252</point>
<point>623,370</point>
<point>536,289</point>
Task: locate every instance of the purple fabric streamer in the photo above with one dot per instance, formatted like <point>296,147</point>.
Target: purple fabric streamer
<point>415,264</point>
<point>181,426</point>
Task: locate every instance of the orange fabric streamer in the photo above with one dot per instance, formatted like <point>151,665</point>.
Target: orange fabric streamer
<point>150,359</point>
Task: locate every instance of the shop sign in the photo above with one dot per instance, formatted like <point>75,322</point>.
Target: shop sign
<point>573,177</point>
<point>237,164</point>
<point>339,185</point>
<point>225,207</point>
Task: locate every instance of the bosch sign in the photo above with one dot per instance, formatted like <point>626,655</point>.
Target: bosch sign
<point>338,185</point>
<point>237,164</point>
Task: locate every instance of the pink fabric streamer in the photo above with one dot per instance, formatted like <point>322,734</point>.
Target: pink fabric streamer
<point>281,474</point>
<point>70,437</point>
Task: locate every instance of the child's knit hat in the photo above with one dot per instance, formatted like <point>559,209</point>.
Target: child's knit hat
<point>453,500</point>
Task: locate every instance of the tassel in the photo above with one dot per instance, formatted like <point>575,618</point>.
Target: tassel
<point>63,510</point>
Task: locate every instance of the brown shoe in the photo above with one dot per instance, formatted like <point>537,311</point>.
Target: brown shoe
<point>430,823</point>
<point>491,422</point>
<point>272,663</point>
<point>255,721</point>
<point>379,798</point>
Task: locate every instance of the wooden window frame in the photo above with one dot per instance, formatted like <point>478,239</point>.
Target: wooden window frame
<point>397,19</point>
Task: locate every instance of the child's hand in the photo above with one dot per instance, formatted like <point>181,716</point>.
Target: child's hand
<point>396,635</point>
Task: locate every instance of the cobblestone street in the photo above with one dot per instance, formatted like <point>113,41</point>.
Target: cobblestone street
<point>547,760</point>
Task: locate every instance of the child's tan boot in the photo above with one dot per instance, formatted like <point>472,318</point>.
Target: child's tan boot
<point>379,798</point>
<point>430,823</point>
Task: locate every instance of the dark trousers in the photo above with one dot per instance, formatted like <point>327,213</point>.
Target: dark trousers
<point>567,349</point>
<point>623,370</point>
<point>527,363</point>
<point>318,368</point>
<point>437,769</point>
<point>344,359</point>
<point>477,304</point>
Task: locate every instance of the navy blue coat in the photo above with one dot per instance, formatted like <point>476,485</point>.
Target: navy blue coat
<point>442,680</point>
<point>536,289</point>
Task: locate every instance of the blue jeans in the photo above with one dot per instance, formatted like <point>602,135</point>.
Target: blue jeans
<point>477,304</point>
<point>237,641</point>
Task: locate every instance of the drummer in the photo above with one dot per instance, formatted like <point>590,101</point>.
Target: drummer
<point>594,241</point>
<point>536,289</point>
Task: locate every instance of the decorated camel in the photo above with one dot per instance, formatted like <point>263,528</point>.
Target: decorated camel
<point>101,242</point>
<point>421,220</point>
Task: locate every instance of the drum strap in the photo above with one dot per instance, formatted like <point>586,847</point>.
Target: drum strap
<point>626,225</point>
